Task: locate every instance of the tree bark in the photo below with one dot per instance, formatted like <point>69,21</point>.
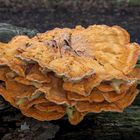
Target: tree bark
<point>104,126</point>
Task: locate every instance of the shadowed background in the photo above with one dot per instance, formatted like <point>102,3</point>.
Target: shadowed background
<point>47,14</point>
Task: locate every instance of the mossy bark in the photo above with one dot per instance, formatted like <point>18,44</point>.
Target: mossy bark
<point>8,31</point>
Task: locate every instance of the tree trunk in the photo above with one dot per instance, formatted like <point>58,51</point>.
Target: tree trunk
<point>104,126</point>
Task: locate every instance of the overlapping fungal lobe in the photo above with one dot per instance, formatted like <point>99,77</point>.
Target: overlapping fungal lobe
<point>77,53</point>
<point>70,72</point>
<point>10,50</point>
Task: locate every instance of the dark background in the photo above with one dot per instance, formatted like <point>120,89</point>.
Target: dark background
<point>48,14</point>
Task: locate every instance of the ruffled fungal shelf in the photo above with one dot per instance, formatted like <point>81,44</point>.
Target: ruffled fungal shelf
<point>70,71</point>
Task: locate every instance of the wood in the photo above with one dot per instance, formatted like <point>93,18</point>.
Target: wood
<point>104,126</point>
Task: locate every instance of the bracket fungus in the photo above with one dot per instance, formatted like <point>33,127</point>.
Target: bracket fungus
<point>70,71</point>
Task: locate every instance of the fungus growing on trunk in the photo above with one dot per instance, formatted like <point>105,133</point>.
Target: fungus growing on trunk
<point>70,71</point>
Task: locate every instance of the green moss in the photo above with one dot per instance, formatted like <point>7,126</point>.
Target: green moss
<point>70,110</point>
